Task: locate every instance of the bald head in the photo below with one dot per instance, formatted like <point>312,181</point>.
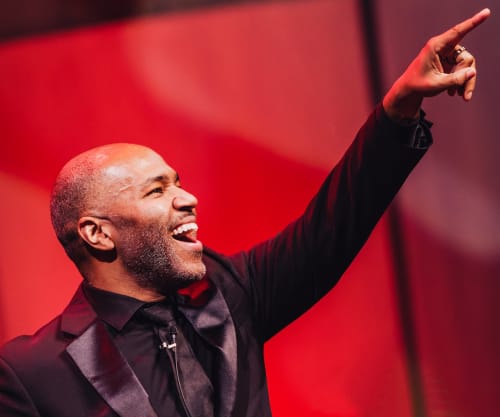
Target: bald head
<point>78,189</point>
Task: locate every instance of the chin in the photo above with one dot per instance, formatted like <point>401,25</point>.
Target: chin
<point>186,275</point>
<point>198,273</point>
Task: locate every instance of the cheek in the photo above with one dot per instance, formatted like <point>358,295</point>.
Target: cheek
<point>141,215</point>
<point>139,239</point>
<point>159,209</point>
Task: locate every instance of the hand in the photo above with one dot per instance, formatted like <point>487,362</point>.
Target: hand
<point>441,65</point>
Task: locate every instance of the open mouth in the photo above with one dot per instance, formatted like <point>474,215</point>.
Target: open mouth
<point>185,232</point>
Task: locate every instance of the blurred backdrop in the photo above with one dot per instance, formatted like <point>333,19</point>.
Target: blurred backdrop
<point>253,103</point>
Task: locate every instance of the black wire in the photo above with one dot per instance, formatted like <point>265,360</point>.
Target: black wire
<point>173,359</point>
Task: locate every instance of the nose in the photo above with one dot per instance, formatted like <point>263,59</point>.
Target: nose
<point>184,200</point>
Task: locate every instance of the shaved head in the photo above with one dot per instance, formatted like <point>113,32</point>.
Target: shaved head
<point>78,191</point>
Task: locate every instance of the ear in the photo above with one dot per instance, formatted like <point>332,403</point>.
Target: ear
<point>96,232</point>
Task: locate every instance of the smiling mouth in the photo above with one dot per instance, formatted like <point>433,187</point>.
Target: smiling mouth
<point>185,232</point>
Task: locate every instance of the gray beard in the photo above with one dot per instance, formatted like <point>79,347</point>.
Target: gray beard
<point>146,254</point>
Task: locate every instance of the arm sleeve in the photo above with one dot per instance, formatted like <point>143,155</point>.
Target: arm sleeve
<point>287,274</point>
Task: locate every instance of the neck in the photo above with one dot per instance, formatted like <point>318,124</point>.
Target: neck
<point>120,282</point>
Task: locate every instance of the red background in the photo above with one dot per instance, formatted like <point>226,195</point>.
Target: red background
<point>252,105</point>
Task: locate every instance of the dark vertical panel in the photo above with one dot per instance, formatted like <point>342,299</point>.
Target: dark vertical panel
<point>404,301</point>
<point>405,305</point>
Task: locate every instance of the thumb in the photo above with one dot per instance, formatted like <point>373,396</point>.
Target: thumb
<point>462,81</point>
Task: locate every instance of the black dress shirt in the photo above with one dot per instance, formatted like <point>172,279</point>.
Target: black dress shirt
<point>135,336</point>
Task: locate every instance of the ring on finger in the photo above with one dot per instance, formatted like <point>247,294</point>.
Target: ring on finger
<point>452,57</point>
<point>458,51</point>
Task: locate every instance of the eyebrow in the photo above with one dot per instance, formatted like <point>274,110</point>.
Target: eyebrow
<point>160,178</point>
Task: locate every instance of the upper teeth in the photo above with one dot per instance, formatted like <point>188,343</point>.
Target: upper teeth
<point>185,228</point>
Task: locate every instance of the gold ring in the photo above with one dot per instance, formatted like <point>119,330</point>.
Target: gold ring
<point>458,51</point>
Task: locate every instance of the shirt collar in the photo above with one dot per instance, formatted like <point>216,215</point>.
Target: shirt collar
<point>117,309</point>
<point>114,309</point>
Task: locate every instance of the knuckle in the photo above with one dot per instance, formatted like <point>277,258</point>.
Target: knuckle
<point>432,42</point>
<point>456,30</point>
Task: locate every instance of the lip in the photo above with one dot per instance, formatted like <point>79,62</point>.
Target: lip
<point>194,244</point>
<point>185,220</point>
<point>191,245</point>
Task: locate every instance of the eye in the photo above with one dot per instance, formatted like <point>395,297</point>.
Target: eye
<point>157,190</point>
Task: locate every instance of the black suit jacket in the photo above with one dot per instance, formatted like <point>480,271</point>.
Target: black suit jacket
<point>71,367</point>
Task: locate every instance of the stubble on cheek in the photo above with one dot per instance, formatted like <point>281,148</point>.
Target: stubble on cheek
<point>151,255</point>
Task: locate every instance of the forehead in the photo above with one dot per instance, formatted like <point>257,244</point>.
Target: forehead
<point>135,166</point>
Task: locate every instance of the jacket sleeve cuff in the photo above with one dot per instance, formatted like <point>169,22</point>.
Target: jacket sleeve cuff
<point>416,135</point>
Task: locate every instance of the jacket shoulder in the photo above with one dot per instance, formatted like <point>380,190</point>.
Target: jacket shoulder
<point>26,350</point>
<point>48,342</point>
<point>228,274</point>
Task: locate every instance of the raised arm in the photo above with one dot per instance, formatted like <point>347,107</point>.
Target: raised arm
<point>289,273</point>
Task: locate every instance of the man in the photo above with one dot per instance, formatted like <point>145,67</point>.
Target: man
<point>163,327</point>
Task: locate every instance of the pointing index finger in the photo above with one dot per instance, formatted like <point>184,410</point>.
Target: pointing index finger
<point>453,36</point>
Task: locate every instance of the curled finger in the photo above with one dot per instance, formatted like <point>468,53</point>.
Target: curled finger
<point>465,60</point>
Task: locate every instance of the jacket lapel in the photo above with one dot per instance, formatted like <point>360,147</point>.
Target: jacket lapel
<point>214,323</point>
<point>102,364</point>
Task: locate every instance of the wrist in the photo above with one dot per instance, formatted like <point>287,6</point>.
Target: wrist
<point>402,107</point>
